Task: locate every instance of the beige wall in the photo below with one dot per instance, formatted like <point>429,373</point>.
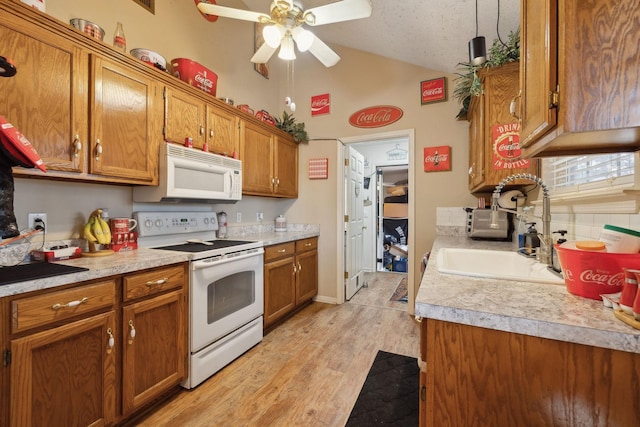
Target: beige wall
<point>359,80</point>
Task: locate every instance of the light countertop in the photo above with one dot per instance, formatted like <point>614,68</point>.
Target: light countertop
<point>535,309</point>
<point>131,261</point>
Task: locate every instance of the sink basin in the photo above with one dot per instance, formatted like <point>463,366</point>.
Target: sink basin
<point>495,265</point>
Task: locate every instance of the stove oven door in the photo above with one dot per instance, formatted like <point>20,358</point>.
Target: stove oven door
<point>226,293</point>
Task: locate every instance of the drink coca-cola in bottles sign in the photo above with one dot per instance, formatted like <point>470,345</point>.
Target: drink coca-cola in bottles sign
<point>437,158</point>
<point>506,147</point>
<point>320,104</point>
<point>433,90</point>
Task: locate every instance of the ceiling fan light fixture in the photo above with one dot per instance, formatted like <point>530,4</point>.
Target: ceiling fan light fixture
<point>287,51</point>
<point>477,51</point>
<point>272,35</point>
<point>303,38</point>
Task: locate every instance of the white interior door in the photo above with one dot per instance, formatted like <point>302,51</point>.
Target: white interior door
<point>355,223</point>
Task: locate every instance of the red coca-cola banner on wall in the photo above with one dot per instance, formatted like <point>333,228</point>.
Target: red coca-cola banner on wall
<point>374,117</point>
<point>433,90</point>
<point>506,147</point>
<point>320,104</point>
<point>437,158</point>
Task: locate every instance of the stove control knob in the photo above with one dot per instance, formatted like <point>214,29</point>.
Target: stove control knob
<point>206,220</point>
<point>158,223</point>
<point>148,223</point>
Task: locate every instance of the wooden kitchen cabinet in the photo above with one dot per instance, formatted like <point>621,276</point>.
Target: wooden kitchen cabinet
<point>80,364</point>
<point>269,162</point>
<point>188,116</point>
<point>290,278</point>
<point>579,77</point>
<point>90,118</point>
<point>494,151</point>
<point>68,360</point>
<point>478,376</point>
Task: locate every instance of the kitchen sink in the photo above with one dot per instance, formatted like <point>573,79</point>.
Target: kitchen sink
<point>494,265</point>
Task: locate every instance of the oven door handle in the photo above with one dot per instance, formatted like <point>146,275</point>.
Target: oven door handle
<point>207,263</point>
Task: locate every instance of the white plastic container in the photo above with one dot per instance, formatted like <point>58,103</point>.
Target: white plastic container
<point>281,223</point>
<point>620,240</point>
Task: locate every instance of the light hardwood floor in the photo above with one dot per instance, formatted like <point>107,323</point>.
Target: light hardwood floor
<point>306,372</point>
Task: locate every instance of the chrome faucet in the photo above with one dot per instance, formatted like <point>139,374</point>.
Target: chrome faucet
<point>544,251</point>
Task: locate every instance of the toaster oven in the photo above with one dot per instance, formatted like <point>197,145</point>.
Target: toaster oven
<point>479,225</point>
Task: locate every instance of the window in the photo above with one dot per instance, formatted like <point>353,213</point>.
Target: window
<point>584,174</point>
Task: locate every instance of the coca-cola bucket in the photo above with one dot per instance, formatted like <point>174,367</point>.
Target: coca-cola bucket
<point>590,274</point>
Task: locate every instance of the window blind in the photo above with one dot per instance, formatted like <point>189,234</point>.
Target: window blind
<point>576,174</point>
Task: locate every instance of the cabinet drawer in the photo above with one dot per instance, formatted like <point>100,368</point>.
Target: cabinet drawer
<point>47,308</point>
<point>279,251</point>
<point>153,282</point>
<point>306,244</point>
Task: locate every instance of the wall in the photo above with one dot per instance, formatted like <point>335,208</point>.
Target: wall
<point>359,80</point>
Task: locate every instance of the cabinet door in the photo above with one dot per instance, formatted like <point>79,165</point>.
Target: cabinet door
<point>286,168</point>
<point>184,117</point>
<point>154,348</point>
<point>47,99</point>
<point>307,280</point>
<point>66,375</point>
<point>279,289</point>
<point>222,131</point>
<point>476,144</point>
<point>538,68</point>
<point>256,153</point>
<point>124,122</point>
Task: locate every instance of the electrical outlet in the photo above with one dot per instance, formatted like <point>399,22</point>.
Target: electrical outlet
<point>239,217</point>
<point>259,216</point>
<point>32,217</point>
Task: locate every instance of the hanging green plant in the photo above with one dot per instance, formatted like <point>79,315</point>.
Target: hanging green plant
<point>468,83</point>
<point>288,124</point>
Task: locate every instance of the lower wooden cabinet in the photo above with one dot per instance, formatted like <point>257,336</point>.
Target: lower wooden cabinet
<point>290,278</point>
<point>93,354</point>
<point>484,377</point>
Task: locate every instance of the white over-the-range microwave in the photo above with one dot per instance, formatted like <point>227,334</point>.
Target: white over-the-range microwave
<point>192,174</point>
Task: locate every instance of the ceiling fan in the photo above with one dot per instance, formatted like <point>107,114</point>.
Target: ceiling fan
<point>285,26</point>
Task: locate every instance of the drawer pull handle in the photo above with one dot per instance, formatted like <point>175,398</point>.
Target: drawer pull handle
<point>132,332</point>
<point>307,244</point>
<point>70,304</point>
<point>281,251</point>
<point>157,282</point>
<point>112,341</point>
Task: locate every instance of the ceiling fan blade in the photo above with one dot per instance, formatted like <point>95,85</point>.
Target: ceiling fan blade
<point>324,53</point>
<point>263,54</point>
<point>339,11</point>
<point>229,12</point>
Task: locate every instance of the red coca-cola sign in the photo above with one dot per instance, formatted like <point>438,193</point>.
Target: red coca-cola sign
<point>320,104</point>
<point>374,117</point>
<point>506,147</point>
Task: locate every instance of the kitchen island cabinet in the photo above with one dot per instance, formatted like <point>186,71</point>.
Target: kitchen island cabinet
<point>270,162</point>
<point>578,77</point>
<point>290,278</point>
<point>494,151</point>
<point>499,352</point>
<point>96,352</point>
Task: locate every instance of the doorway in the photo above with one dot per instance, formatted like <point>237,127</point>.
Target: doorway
<point>386,146</point>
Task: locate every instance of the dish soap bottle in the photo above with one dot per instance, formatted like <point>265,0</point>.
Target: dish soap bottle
<point>555,261</point>
<point>119,40</point>
<point>531,239</point>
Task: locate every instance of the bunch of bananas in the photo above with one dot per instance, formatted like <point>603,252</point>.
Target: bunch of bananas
<point>96,230</point>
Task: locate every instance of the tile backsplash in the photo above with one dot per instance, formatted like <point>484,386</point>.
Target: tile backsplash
<point>578,226</point>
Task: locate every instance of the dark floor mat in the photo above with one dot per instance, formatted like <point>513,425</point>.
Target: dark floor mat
<point>39,270</point>
<point>389,396</point>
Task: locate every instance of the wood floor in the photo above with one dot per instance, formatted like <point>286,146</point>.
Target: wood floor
<point>306,372</point>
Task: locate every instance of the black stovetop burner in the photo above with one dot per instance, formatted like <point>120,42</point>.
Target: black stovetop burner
<point>200,247</point>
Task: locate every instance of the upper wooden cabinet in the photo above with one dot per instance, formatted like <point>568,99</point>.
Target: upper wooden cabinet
<point>189,117</point>
<point>89,118</point>
<point>579,77</point>
<point>269,162</point>
<point>494,151</point>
